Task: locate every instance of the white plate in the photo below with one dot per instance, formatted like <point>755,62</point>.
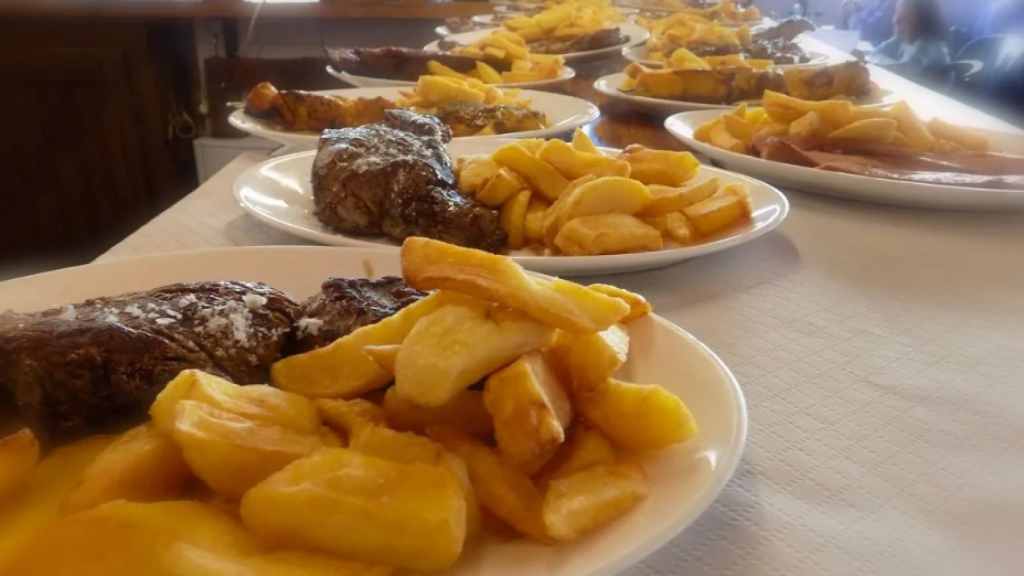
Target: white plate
<point>638,54</point>
<point>443,31</point>
<point>850,185</point>
<point>563,112</point>
<point>278,192</point>
<point>684,479</point>
<point>609,86</point>
<point>371,82</point>
<point>634,35</point>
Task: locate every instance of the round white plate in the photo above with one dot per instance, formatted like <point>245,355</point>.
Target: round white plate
<point>443,31</point>
<point>863,188</point>
<point>563,112</point>
<point>278,192</point>
<point>371,82</point>
<point>684,480</point>
<point>609,86</point>
<point>638,54</point>
<point>634,35</point>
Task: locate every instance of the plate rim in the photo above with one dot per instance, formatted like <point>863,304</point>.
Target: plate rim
<point>725,468</point>
<point>680,106</point>
<point>672,122</point>
<point>569,265</point>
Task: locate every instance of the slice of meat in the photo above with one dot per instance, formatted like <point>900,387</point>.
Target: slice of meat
<point>345,305</point>
<point>940,178</point>
<point>786,30</point>
<point>97,366</point>
<point>400,63</point>
<point>468,118</point>
<point>380,179</point>
<point>593,41</point>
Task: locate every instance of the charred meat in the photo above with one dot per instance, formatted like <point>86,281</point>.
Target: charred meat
<point>400,63</point>
<point>468,118</point>
<point>97,366</point>
<point>346,304</point>
<point>583,43</point>
<point>390,178</point>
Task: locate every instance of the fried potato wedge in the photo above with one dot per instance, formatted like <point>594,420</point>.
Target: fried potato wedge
<point>465,412</point>
<point>585,447</point>
<point>384,355</point>
<point>590,499</point>
<point>142,465</point>
<point>455,347</point>
<point>637,416</point>
<point>717,213</point>
<point>402,447</point>
<point>429,264</point>
<point>343,369</point>
<point>592,358</point>
<point>531,410</point>
<point>512,218</point>
<point>349,416</point>
<point>504,491</point>
<point>667,200</point>
<point>574,164</point>
<point>542,177</point>
<point>638,305</point>
<point>660,166</point>
<point>607,234</point>
<point>231,454</point>
<point>256,402</point>
<point>582,143</point>
<point>339,501</point>
<point>500,188</point>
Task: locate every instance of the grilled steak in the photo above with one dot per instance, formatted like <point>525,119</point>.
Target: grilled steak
<point>395,178</point>
<point>468,118</point>
<point>592,41</point>
<point>346,304</point>
<point>97,366</point>
<point>400,63</point>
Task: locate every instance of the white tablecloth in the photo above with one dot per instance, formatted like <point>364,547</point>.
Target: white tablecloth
<point>881,351</point>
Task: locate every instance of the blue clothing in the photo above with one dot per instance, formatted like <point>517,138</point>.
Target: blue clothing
<point>875,21</point>
<point>919,58</point>
<point>1006,17</point>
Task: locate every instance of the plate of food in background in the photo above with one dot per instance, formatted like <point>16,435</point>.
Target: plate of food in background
<point>889,156</point>
<point>684,58</point>
<point>510,67</point>
<point>470,108</point>
<point>678,90</point>
<point>563,30</point>
<point>705,38</point>
<point>727,12</point>
<point>568,209</point>
<point>411,476</point>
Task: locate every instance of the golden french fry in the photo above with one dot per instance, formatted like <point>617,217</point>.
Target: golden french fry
<point>590,499</point>
<point>607,234</point>
<point>738,128</point>
<point>875,130</point>
<point>19,454</point>
<point>541,176</point>
<point>513,218</point>
<point>660,166</point>
<point>534,225</point>
<point>583,143</point>
<point>590,359</point>
<point>638,306</point>
<point>574,164</point>
<point>464,412</point>
<point>717,213</point>
<point>435,67</point>
<point>499,188</point>
<point>474,172</point>
<point>965,137</point>
<point>637,416</point>
<point>668,200</point>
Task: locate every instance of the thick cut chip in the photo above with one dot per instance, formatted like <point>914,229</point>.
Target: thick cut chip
<point>637,416</point>
<point>465,411</point>
<point>574,164</point>
<point>531,410</point>
<point>143,465</point>
<point>256,403</point>
<point>458,345</point>
<point>593,358</point>
<point>500,188</point>
<point>660,166</point>
<point>607,234</point>
<point>717,213</point>
<point>586,447</point>
<point>429,264</point>
<point>583,143</point>
<point>339,501</point>
<point>541,176</point>
<point>344,369</point>
<point>513,218</point>
<point>638,306</point>
<point>384,355</point>
<point>402,447</point>
<point>668,200</point>
<point>502,490</point>
<point>592,498</point>
<point>348,416</point>
<point>231,454</point>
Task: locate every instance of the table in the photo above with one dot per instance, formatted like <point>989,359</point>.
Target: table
<point>880,351</point>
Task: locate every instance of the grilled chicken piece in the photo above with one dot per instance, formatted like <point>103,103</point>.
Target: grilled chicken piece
<point>302,111</point>
<point>96,366</point>
<point>400,63</point>
<point>382,178</point>
<point>344,305</point>
<point>468,118</point>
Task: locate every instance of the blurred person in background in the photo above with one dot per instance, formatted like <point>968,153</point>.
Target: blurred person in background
<point>1001,17</point>
<point>872,18</point>
<point>918,47</point>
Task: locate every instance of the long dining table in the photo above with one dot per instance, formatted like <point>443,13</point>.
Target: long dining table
<point>880,350</point>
